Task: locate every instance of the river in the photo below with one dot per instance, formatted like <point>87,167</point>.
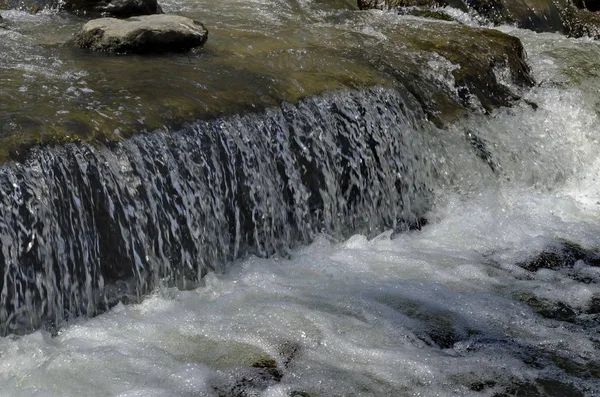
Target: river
<point>441,310</point>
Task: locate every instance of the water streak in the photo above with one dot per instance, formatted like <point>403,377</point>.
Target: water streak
<point>82,227</point>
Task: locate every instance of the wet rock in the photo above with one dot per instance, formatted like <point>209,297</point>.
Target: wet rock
<point>562,254</point>
<point>480,53</point>
<point>261,374</point>
<point>548,309</point>
<point>88,8</point>
<point>480,147</point>
<point>581,23</point>
<point>144,34</point>
<point>297,393</point>
<point>575,19</point>
<point>438,327</point>
<point>593,306</point>
<point>537,15</point>
<point>387,4</point>
<point>553,387</point>
<point>425,13</point>
<point>409,226</point>
<point>289,351</point>
<point>113,8</point>
<point>246,382</point>
<point>586,369</point>
<point>31,6</point>
<point>541,388</point>
<point>482,385</point>
<point>372,4</point>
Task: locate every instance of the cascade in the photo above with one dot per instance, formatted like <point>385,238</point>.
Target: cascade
<point>83,227</point>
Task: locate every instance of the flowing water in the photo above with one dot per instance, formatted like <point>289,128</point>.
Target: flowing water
<point>450,309</point>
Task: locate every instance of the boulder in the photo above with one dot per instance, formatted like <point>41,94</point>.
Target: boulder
<point>31,6</point>
<point>591,5</point>
<point>89,8</point>
<point>113,8</point>
<point>575,18</point>
<point>562,254</point>
<point>387,4</point>
<point>580,22</point>
<point>143,34</point>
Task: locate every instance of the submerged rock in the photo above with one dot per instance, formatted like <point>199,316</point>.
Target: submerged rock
<point>145,34</point>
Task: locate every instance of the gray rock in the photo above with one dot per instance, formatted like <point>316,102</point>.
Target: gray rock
<point>143,34</point>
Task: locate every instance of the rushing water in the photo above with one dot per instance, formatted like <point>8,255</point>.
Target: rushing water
<point>79,222</point>
<point>436,311</point>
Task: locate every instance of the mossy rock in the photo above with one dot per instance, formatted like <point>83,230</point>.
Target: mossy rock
<point>478,52</point>
<point>240,71</point>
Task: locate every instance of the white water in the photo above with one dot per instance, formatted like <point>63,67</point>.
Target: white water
<point>368,317</point>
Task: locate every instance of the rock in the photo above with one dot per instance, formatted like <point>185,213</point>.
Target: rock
<point>581,23</point>
<point>90,8</point>
<point>592,5</point>
<point>31,6</point>
<point>576,19</point>
<point>372,4</point>
<point>593,306</point>
<point>113,8</point>
<point>537,15</point>
<point>425,13</point>
<point>478,52</point>
<point>469,59</point>
<point>387,4</point>
<point>144,34</point>
<point>548,309</point>
<point>541,387</point>
<point>562,254</point>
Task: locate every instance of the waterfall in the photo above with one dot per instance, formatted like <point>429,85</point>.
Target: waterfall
<point>83,227</point>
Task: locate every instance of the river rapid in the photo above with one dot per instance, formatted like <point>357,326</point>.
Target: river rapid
<point>432,312</point>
